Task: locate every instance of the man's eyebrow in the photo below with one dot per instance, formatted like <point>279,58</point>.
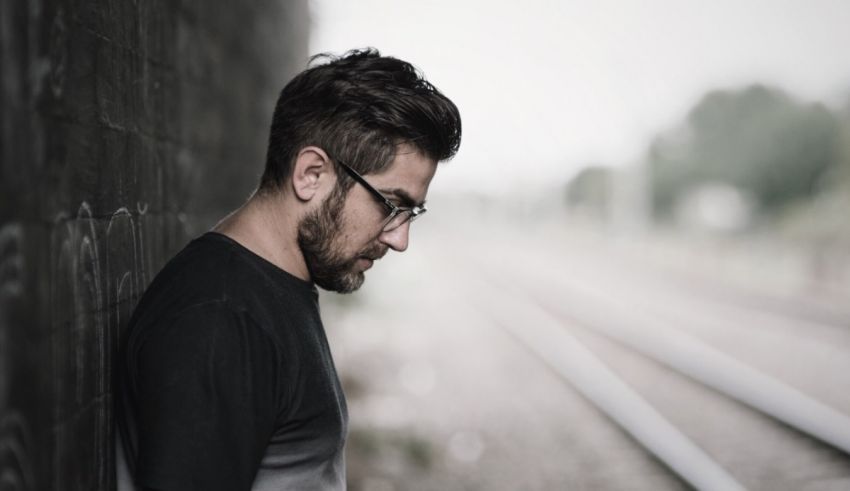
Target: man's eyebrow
<point>405,197</point>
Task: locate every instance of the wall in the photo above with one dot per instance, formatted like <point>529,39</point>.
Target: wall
<point>127,128</point>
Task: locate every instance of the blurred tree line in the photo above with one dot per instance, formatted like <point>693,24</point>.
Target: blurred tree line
<point>786,160</point>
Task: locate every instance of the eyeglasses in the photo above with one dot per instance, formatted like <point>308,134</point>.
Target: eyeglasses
<point>398,215</point>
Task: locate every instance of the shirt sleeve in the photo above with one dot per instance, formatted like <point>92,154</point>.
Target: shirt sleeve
<point>206,393</point>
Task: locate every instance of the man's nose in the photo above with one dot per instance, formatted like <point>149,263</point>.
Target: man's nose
<point>397,238</point>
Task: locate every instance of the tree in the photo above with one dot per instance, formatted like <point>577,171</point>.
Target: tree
<point>758,140</point>
<point>589,191</point>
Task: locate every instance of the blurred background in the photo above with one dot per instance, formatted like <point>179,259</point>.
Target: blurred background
<point>635,274</point>
<point>656,192</point>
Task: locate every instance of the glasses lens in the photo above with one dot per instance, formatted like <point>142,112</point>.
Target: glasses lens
<point>398,220</point>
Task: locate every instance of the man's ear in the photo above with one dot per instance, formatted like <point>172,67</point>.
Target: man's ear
<point>311,172</point>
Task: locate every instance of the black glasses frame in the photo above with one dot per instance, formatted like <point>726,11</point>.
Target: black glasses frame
<point>398,215</point>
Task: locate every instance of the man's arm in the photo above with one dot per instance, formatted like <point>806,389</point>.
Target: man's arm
<point>206,398</point>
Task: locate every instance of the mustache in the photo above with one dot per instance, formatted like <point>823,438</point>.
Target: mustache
<point>374,252</point>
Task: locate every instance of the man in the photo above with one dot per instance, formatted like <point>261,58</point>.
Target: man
<point>227,381</point>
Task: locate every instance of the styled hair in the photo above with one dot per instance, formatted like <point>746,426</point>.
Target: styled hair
<point>359,107</point>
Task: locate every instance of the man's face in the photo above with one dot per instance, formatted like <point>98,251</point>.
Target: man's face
<point>342,238</point>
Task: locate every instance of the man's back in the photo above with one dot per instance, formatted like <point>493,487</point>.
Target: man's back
<point>226,361</point>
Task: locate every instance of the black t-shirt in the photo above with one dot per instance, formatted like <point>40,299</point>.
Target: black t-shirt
<point>227,381</point>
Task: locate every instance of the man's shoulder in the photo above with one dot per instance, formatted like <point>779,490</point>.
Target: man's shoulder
<point>215,271</point>
<point>214,266</point>
<point>197,274</point>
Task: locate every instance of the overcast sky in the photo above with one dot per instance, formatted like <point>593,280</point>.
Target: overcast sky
<point>545,87</point>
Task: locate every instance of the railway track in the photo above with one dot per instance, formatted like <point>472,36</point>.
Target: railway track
<point>663,366</point>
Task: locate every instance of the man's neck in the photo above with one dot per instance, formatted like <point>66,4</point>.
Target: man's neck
<point>266,226</point>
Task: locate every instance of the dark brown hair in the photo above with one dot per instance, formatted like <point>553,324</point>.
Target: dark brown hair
<point>359,107</point>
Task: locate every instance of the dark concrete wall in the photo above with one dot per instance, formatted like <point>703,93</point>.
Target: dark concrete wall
<point>128,127</point>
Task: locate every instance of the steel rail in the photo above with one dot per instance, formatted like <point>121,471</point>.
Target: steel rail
<point>701,362</point>
<point>545,336</point>
<point>721,372</point>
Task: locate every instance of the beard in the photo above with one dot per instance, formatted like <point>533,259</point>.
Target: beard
<point>329,267</point>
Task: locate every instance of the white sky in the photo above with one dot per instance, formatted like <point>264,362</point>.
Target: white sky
<point>545,87</point>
